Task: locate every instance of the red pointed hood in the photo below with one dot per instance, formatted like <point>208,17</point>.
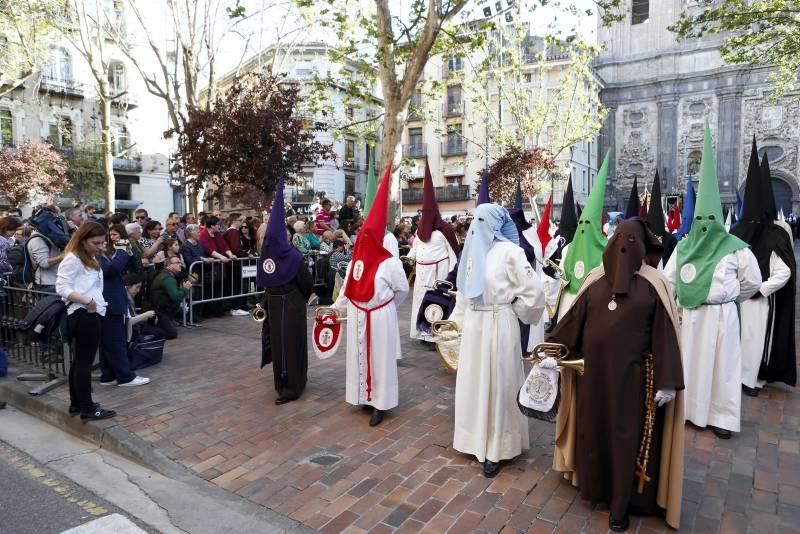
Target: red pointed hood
<point>369,253</point>
<point>431,217</point>
<point>543,230</point>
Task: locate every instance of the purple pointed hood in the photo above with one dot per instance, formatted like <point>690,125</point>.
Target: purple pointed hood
<point>279,260</point>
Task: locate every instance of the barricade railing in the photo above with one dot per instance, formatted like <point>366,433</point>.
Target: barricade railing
<point>52,355</point>
<point>219,281</point>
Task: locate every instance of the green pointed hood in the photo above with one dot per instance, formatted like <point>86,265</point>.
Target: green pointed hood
<point>707,242</point>
<point>372,187</point>
<point>586,249</point>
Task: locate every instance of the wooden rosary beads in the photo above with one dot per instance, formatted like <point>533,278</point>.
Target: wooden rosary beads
<point>649,424</point>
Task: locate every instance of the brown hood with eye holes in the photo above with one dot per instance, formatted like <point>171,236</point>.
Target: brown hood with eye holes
<point>631,245</point>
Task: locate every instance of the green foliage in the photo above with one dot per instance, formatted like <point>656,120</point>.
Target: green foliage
<point>754,32</point>
<point>85,171</point>
<point>27,28</point>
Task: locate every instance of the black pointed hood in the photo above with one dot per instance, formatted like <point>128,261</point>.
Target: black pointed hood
<point>756,207</point>
<point>634,204</point>
<point>656,220</point>
<point>769,194</point>
<point>569,219</point>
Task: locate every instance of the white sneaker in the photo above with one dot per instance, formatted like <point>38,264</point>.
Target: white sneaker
<point>111,383</point>
<point>313,300</point>
<point>239,313</point>
<point>138,381</point>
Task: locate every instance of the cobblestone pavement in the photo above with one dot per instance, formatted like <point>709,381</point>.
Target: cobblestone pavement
<point>317,460</point>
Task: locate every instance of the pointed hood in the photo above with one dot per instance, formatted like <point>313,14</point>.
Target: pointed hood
<point>569,219</point>
<point>518,196</point>
<point>739,206</point>
<point>586,250</point>
<point>708,241</point>
<point>688,210</point>
<point>543,230</point>
<point>655,220</point>
<point>372,188</point>
<point>279,260</point>
<point>483,190</point>
<point>766,177</point>
<point>633,201</point>
<point>756,205</point>
<point>369,253</point>
<point>431,217</point>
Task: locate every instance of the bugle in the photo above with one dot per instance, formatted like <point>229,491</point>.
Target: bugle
<point>557,351</point>
<point>410,261</point>
<point>258,314</point>
<point>445,286</point>
<point>448,344</point>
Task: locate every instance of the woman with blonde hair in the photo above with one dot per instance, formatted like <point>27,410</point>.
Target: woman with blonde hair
<point>80,283</point>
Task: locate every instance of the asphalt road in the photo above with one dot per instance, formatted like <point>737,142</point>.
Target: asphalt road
<point>35,500</point>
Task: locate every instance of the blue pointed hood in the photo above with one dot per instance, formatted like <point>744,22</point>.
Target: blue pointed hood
<point>688,210</point>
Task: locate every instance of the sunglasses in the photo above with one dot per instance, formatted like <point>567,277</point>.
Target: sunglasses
<point>141,217</point>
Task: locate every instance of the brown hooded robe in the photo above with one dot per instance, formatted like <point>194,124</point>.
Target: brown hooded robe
<point>601,416</point>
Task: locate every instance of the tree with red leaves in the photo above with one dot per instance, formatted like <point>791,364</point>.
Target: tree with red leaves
<point>31,172</point>
<point>248,138</point>
<point>531,165</point>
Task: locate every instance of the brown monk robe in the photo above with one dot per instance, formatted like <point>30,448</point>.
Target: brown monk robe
<point>623,317</point>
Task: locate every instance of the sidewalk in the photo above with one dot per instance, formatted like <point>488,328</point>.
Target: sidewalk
<point>317,461</point>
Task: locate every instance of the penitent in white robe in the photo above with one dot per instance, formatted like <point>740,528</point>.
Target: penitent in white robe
<point>710,343</point>
<point>488,423</point>
<point>390,243</point>
<point>391,286</point>
<point>435,259</point>
<point>536,335</point>
<point>755,315</point>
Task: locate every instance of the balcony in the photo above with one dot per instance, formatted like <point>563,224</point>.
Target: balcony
<point>415,150</point>
<point>448,193</point>
<point>122,164</point>
<point>354,164</point>
<point>453,109</point>
<point>60,87</point>
<point>454,148</point>
<point>414,111</point>
<point>448,72</point>
<point>125,101</point>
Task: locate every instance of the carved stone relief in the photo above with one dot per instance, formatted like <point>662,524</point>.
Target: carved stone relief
<point>636,157</point>
<point>776,125</point>
<point>695,110</point>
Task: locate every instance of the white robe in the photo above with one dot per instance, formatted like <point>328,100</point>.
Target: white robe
<point>390,283</point>
<point>710,343</point>
<point>755,315</point>
<point>488,423</point>
<point>435,259</point>
<point>390,243</point>
<point>536,335</point>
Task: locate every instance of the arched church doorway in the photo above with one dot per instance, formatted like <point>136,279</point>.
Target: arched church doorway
<point>783,195</point>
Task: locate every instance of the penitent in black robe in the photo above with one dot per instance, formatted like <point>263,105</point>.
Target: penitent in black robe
<point>611,393</point>
<point>284,340</point>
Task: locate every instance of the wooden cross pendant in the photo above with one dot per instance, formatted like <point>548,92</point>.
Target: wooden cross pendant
<point>642,479</point>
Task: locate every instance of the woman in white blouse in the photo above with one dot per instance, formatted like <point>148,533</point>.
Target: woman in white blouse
<point>80,283</point>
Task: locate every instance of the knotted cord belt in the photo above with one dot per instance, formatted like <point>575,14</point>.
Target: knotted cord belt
<point>369,311</point>
<point>437,262</point>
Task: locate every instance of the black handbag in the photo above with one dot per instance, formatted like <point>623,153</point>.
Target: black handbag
<point>145,350</point>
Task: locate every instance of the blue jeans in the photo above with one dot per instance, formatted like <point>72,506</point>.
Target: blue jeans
<point>114,363</point>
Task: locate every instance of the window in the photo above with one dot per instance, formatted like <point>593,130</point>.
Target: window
<point>302,70</point>
<point>454,180</point>
<point>6,128</point>
<point>120,141</point>
<point>116,79</point>
<point>61,132</point>
<point>351,112</point>
<point>415,137</point>
<point>454,63</point>
<point>61,66</point>
<point>640,11</point>
<point>370,152</point>
<point>415,106</point>
<point>585,182</point>
<point>455,141</point>
<point>349,184</point>
<point>528,77</point>
<point>349,151</point>
<point>453,100</point>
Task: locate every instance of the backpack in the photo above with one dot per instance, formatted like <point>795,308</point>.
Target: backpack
<point>45,315</point>
<point>22,265</point>
<point>145,349</point>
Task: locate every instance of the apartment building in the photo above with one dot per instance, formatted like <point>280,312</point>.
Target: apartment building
<point>59,104</point>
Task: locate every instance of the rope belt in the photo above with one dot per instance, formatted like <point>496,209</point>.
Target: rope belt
<point>369,311</point>
<point>437,262</point>
<point>489,307</point>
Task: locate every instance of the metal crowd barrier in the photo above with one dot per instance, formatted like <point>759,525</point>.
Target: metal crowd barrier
<point>220,281</point>
<point>52,356</point>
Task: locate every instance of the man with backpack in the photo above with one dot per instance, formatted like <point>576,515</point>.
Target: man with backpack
<point>44,248</point>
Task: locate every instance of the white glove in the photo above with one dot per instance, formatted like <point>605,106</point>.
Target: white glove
<point>664,396</point>
<point>548,363</point>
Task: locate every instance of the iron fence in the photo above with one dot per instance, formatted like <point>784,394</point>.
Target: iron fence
<point>51,356</point>
<point>219,281</point>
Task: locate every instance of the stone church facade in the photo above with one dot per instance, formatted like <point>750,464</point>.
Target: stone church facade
<point>660,93</point>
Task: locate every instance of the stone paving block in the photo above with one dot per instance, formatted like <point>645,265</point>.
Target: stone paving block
<point>318,461</point>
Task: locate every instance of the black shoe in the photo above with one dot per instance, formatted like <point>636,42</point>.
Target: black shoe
<point>2,405</point>
<point>282,400</point>
<point>750,392</point>
<point>619,525</point>
<point>75,410</point>
<point>366,407</point>
<point>97,414</point>
<point>490,469</point>
<point>721,433</point>
<point>377,417</point>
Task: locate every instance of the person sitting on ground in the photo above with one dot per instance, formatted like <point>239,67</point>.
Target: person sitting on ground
<point>133,283</point>
<point>166,297</point>
<point>326,245</point>
<point>299,239</point>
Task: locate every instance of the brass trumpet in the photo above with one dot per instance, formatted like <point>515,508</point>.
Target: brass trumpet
<point>557,351</point>
<point>448,344</point>
<point>410,261</point>
<point>329,310</point>
<point>258,314</point>
<point>447,285</point>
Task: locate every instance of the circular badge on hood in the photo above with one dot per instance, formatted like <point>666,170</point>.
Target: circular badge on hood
<point>688,273</point>
<point>580,269</point>
<point>269,266</point>
<point>358,270</point>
